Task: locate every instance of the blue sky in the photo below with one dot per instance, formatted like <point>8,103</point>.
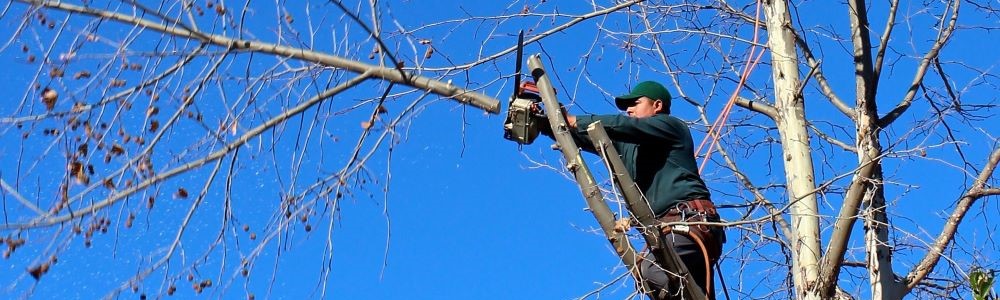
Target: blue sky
<point>461,212</point>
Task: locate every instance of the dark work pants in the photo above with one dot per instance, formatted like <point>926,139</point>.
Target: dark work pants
<point>690,254</point>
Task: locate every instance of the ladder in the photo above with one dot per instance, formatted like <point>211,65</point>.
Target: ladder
<point>635,202</point>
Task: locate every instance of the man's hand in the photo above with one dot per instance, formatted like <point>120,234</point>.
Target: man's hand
<point>570,119</point>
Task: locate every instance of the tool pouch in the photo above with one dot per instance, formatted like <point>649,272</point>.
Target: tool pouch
<point>698,211</point>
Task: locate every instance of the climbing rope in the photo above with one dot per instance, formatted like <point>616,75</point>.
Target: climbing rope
<point>720,121</point>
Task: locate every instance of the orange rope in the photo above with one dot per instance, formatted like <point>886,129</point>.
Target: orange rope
<point>720,121</point>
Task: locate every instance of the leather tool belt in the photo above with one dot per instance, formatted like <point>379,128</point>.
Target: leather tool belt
<point>698,210</point>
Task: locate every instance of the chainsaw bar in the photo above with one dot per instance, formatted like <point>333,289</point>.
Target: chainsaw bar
<point>517,65</point>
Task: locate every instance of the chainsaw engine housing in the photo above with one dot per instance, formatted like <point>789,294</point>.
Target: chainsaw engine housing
<point>520,126</point>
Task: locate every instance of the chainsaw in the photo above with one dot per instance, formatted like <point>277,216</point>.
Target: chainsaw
<point>521,125</point>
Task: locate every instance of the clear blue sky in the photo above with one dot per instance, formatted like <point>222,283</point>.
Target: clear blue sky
<point>469,214</point>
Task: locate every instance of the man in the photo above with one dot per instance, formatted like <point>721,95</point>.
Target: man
<point>658,152</point>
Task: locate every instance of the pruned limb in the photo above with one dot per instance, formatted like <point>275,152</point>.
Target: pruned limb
<point>758,106</point>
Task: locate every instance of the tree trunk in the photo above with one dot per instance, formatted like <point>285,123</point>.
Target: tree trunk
<point>795,146</point>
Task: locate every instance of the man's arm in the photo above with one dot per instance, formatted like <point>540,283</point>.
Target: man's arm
<point>659,128</point>
<point>579,136</point>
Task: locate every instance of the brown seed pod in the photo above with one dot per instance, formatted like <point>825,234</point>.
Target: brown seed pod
<point>56,72</point>
<point>81,75</point>
<point>39,270</point>
<point>117,150</point>
<point>181,193</point>
<point>49,97</point>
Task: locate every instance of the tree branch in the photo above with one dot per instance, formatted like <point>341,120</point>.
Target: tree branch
<point>943,36</point>
<point>890,23</point>
<point>476,99</point>
<point>977,191</point>
<point>98,205</point>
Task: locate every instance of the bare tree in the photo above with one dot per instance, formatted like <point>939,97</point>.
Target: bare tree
<point>128,105</point>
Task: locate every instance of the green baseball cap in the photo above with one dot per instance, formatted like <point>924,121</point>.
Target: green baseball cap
<point>650,89</point>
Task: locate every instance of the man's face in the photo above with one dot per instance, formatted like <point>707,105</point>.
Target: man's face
<point>644,108</point>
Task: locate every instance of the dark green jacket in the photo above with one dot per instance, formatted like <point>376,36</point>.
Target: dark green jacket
<point>658,153</point>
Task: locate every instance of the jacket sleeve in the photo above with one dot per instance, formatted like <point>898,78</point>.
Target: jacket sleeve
<point>579,136</point>
<point>656,129</point>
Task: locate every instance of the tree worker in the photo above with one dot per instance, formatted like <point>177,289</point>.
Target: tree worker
<point>658,152</point>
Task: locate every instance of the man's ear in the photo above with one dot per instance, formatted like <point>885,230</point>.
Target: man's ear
<point>657,106</point>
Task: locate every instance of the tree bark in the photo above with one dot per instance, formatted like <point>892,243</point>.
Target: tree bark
<point>581,173</point>
<point>795,146</point>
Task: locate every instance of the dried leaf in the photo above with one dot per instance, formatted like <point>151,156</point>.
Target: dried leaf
<point>49,97</point>
<point>81,74</point>
<point>56,73</point>
<point>152,111</point>
<point>117,149</point>
<point>39,270</point>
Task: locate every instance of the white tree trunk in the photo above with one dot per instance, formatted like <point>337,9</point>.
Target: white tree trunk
<point>797,152</point>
